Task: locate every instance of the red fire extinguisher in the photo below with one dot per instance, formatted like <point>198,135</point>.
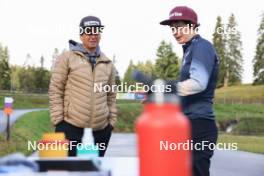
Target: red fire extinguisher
<point>163,135</point>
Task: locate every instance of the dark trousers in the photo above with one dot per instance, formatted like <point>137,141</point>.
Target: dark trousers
<point>203,130</point>
<point>74,135</point>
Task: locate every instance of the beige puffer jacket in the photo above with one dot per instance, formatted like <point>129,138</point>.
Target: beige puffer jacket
<point>72,95</point>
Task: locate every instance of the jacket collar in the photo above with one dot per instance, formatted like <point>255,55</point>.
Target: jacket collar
<point>187,44</point>
<point>79,49</point>
<point>101,58</point>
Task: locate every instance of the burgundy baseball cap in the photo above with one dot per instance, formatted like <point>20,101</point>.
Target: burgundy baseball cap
<point>181,13</point>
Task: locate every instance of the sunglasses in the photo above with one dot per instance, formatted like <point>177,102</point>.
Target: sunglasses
<point>91,30</point>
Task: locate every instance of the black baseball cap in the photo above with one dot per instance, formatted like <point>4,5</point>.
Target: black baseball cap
<point>90,21</point>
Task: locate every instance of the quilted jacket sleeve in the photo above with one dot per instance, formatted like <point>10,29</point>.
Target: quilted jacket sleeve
<point>57,87</point>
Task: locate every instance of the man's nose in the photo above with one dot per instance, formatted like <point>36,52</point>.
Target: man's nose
<point>94,36</point>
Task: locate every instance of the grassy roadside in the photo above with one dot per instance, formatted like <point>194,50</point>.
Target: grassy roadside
<point>245,143</point>
<point>238,111</point>
<point>232,94</point>
<point>24,101</point>
<point>250,116</point>
<point>127,115</point>
<point>245,91</point>
<point>30,127</point>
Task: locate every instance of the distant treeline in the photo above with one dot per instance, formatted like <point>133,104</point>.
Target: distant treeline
<point>22,78</point>
<point>228,45</point>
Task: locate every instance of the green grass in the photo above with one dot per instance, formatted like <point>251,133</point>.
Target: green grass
<point>30,127</point>
<point>250,126</point>
<point>241,92</point>
<point>128,112</point>
<point>245,143</point>
<point>127,115</point>
<point>238,111</point>
<point>130,109</point>
<point>250,117</point>
<point>127,101</point>
<point>22,100</point>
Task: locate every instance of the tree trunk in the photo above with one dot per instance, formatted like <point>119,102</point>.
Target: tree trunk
<point>226,78</point>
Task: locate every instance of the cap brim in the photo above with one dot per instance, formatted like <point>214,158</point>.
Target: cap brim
<point>166,22</point>
<point>169,21</point>
<point>93,26</point>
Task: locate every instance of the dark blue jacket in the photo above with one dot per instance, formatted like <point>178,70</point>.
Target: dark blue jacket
<point>200,62</point>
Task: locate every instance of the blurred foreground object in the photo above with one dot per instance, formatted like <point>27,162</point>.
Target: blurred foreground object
<point>53,145</point>
<point>162,129</point>
<point>17,163</point>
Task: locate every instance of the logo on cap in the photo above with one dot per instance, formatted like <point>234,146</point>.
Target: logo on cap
<point>175,14</point>
<point>91,23</point>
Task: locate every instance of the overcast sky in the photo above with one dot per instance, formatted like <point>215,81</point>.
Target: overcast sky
<point>132,27</point>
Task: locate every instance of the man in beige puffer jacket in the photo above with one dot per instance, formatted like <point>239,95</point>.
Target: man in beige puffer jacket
<point>75,103</point>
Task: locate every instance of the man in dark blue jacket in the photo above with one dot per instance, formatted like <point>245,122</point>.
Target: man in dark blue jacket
<point>196,86</point>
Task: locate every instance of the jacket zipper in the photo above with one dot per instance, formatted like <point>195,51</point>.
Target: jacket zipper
<point>93,95</point>
<point>93,72</point>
